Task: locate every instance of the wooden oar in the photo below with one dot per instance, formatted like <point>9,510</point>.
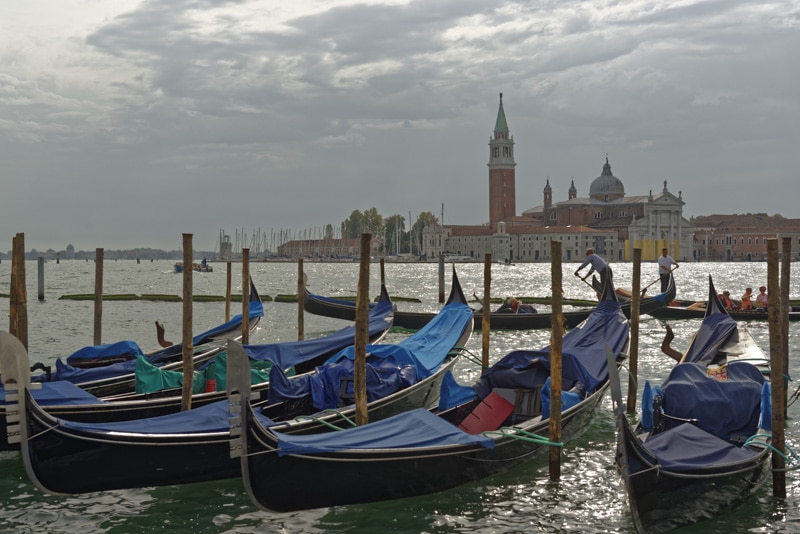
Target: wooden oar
<point>656,280</point>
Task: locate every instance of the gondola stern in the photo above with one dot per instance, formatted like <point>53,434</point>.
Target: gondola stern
<point>714,304</point>
<point>15,372</point>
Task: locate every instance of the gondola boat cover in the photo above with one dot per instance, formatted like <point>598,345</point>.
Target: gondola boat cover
<point>411,429</point>
<point>211,418</point>
<point>389,367</point>
<point>583,359</point>
<point>729,409</point>
<point>712,334</point>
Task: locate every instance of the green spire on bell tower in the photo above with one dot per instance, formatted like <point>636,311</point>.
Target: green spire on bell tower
<point>501,126</point>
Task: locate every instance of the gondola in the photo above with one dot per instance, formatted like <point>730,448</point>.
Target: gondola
<point>692,309</point>
<point>64,400</point>
<point>66,457</point>
<point>702,445</point>
<point>119,377</point>
<point>720,340</point>
<point>344,309</point>
<point>689,309</point>
<point>476,431</point>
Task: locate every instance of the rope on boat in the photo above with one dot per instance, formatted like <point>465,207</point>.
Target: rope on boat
<point>794,396</point>
<point>469,355</point>
<point>522,435</point>
<point>326,423</point>
<point>793,461</point>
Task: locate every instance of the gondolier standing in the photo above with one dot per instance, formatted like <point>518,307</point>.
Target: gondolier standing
<point>665,263</point>
<point>597,264</point>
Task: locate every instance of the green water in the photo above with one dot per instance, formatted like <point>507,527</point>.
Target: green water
<point>589,497</point>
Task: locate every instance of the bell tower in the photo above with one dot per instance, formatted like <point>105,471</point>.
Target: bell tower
<point>502,191</point>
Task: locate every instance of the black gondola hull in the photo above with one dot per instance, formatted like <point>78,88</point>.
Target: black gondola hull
<point>349,478</point>
<point>662,500</point>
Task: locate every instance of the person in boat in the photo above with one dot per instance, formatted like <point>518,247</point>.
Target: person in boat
<point>665,263</point>
<point>204,263</point>
<point>761,298</point>
<point>513,305</point>
<point>725,298</point>
<point>597,264</point>
<point>747,303</point>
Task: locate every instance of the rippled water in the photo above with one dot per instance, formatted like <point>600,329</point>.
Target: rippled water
<point>589,497</point>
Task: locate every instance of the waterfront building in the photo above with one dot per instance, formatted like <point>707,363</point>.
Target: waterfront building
<point>607,220</point>
<point>742,237</point>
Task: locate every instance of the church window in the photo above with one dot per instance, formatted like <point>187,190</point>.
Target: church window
<point>554,216</point>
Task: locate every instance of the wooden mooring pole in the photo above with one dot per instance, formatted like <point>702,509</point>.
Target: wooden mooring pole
<point>362,333</point>
<point>441,278</point>
<point>188,348</point>
<point>786,262</point>
<point>40,265</point>
<point>18,294</point>
<point>245,296</point>
<point>98,296</point>
<point>633,352</point>
<point>301,288</point>
<point>775,310</point>
<point>486,315</point>
<point>557,325</point>
<point>228,279</point>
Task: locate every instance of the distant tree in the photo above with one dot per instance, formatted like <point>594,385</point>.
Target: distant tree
<point>370,221</point>
<point>396,239</point>
<point>426,218</point>
<point>352,227</point>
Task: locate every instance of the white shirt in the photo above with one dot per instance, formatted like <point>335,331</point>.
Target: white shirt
<point>664,264</point>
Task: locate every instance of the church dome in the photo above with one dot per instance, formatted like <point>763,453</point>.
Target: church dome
<point>606,186</point>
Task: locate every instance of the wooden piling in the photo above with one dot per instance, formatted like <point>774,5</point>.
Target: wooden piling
<point>557,324</point>
<point>18,294</point>
<point>775,309</point>
<point>633,353</point>
<point>486,315</point>
<point>228,279</point>
<point>188,348</point>
<point>362,333</point>
<point>786,262</point>
<point>383,272</point>
<point>245,296</point>
<point>301,285</point>
<point>98,296</point>
<point>40,265</point>
<point>441,278</point>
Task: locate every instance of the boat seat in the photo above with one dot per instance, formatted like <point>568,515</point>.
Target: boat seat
<point>527,402</point>
<point>347,391</point>
<point>488,415</point>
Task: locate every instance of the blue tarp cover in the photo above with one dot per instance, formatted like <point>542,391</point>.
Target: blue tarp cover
<point>712,334</point>
<point>687,447</point>
<point>292,353</point>
<point>123,348</point>
<point>412,429</point>
<point>212,417</point>
<point>583,355</point>
<point>109,350</point>
<point>389,367</point>
<point>725,408</point>
<point>58,394</point>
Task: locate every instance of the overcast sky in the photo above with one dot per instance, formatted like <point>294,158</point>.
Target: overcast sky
<point>126,123</point>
